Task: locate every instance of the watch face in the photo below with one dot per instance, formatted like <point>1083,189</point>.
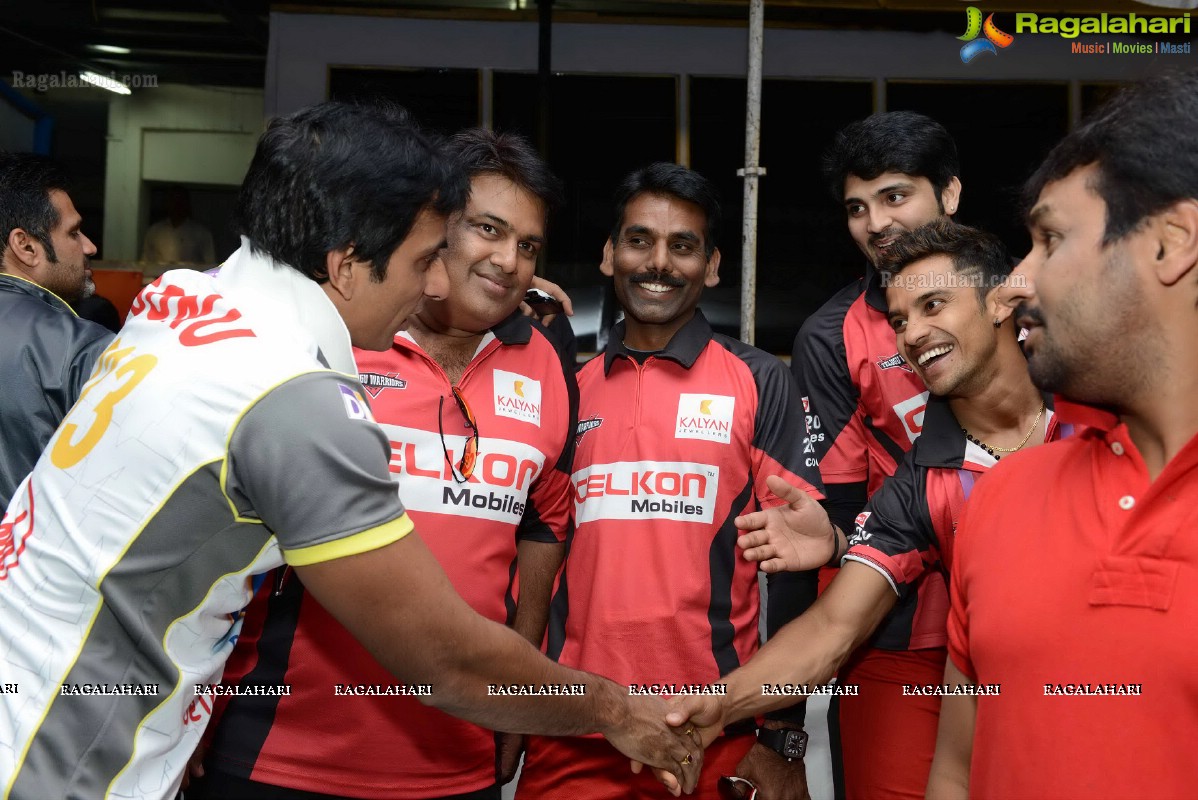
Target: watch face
<point>795,745</point>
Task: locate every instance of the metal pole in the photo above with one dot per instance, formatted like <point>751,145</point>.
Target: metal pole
<point>751,172</point>
<point>544,75</point>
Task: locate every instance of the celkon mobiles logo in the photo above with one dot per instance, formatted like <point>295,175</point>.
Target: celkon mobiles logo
<point>992,40</point>
<point>645,490</point>
<point>910,411</point>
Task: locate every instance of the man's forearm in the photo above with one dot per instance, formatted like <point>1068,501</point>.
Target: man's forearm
<point>811,649</point>
<point>431,636</point>
<point>537,564</point>
<point>502,682</point>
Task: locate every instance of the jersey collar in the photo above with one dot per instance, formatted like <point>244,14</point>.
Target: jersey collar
<point>683,349</point>
<point>942,443</point>
<point>516,329</point>
<point>1092,416</point>
<point>875,295</point>
<point>18,285</point>
<point>293,296</point>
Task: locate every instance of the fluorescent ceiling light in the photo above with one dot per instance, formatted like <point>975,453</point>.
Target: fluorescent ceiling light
<point>101,82</point>
<point>110,48</point>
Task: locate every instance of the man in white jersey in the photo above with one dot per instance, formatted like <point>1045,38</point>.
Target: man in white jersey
<point>224,433</point>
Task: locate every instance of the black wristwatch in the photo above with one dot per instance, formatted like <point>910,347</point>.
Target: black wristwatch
<point>788,742</point>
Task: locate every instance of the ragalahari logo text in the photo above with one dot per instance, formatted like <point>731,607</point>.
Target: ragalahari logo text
<point>993,38</point>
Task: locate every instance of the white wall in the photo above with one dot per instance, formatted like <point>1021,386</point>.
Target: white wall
<point>183,134</point>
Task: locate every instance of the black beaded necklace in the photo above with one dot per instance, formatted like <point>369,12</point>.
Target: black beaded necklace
<point>1008,450</point>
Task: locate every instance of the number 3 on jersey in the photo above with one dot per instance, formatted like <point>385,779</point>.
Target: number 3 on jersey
<point>116,366</point>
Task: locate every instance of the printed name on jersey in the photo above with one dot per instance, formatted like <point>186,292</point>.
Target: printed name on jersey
<point>896,360</point>
<point>496,490</point>
<point>355,404</point>
<point>705,416</point>
<point>14,530</point>
<point>639,490</point>
<point>910,411</point>
<point>585,425</point>
<point>375,382</point>
<point>517,397</point>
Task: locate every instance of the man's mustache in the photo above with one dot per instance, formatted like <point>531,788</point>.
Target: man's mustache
<point>653,276</point>
<point>1025,314</point>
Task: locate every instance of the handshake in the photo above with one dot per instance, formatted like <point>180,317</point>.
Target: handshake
<point>670,734</point>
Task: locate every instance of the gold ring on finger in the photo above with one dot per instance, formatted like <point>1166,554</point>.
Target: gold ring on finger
<point>686,761</point>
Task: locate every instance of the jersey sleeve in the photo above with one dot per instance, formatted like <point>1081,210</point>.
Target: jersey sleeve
<point>309,461</point>
<point>894,534</point>
<point>547,516</point>
<point>780,445</point>
<point>830,399</point>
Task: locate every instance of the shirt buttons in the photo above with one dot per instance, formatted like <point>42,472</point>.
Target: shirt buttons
<point>1117,448</point>
<point>1126,502</point>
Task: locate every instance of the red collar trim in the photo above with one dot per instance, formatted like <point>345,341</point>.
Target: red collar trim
<point>1082,414</point>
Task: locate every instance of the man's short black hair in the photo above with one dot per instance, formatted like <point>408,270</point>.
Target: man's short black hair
<point>479,152</point>
<point>673,180</point>
<point>337,174</point>
<point>893,141</point>
<point>979,258</point>
<point>26,181</point>
<point>1142,144</point>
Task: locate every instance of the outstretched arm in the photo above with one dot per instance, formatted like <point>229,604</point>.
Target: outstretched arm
<point>397,601</point>
<point>808,651</point>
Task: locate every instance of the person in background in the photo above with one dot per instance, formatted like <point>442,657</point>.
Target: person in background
<point>892,172</point>
<point>46,351</point>
<point>178,239</point>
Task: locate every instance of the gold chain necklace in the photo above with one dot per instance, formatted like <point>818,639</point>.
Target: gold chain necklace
<point>994,451</point>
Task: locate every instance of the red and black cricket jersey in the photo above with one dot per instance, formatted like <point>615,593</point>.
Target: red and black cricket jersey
<point>909,526</point>
<point>380,746</point>
<point>669,452</point>
<point>863,403</point>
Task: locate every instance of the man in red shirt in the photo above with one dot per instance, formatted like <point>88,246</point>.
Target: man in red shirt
<point>892,172</point>
<point>678,428</point>
<point>944,290</point>
<point>1075,580</point>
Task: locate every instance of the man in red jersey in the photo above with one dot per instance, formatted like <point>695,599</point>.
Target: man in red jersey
<point>678,428</point>
<point>946,299</point>
<point>892,172</point>
<point>480,416</point>
<point>1087,620</point>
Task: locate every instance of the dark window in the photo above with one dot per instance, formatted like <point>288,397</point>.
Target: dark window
<point>601,127</point>
<point>1003,131</point>
<point>444,100</point>
<point>804,253</point>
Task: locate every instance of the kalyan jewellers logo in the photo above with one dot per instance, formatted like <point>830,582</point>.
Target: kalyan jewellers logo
<point>993,37</point>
